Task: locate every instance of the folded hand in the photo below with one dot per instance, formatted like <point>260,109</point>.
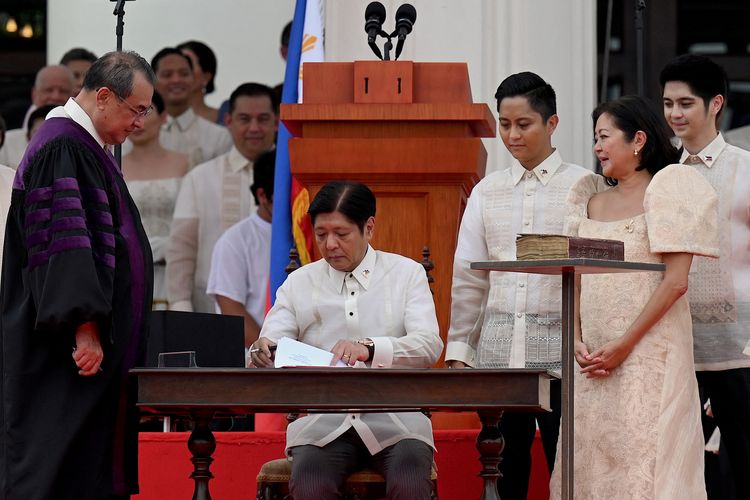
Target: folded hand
<point>87,353</point>
<point>607,358</point>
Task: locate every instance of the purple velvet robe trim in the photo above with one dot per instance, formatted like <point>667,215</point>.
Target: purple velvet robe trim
<point>37,216</point>
<point>129,231</point>
<point>62,224</point>
<point>104,218</point>
<point>47,193</point>
<point>63,244</point>
<point>95,194</point>
<point>106,239</point>
<point>66,203</point>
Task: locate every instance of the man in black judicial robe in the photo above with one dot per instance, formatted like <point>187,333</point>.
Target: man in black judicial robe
<point>75,296</point>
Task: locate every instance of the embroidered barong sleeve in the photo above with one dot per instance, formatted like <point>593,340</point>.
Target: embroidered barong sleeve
<point>470,288</point>
<point>68,228</point>
<point>182,250</point>
<point>421,344</point>
<point>682,212</point>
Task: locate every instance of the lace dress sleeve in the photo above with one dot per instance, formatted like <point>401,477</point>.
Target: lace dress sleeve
<point>682,212</point>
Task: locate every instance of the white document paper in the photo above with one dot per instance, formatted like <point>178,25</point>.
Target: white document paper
<point>291,352</point>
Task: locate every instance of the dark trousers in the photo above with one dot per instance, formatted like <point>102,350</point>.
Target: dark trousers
<point>318,473</point>
<point>729,391</point>
<point>518,430</point>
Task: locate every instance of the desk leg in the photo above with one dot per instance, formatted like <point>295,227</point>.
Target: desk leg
<point>490,444</point>
<point>568,365</point>
<point>202,445</point>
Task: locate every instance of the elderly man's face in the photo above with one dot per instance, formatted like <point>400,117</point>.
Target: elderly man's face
<point>340,241</point>
<point>53,86</point>
<point>117,118</point>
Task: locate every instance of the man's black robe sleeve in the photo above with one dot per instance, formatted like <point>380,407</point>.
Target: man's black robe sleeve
<point>67,222</point>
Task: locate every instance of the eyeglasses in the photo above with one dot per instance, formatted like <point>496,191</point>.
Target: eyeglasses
<point>143,113</point>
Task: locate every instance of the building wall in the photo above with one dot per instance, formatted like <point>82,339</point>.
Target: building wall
<point>495,37</point>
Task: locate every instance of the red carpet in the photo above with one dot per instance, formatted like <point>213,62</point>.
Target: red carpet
<point>165,465</point>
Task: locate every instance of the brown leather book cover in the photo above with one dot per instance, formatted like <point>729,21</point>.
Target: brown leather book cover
<point>557,246</point>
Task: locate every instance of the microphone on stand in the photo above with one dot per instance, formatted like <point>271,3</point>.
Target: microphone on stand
<point>406,16</point>
<point>374,19</point>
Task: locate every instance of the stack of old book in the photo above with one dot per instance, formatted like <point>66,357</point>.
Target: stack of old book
<point>557,246</point>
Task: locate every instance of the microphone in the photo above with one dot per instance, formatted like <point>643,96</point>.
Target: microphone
<point>406,16</point>
<point>374,19</point>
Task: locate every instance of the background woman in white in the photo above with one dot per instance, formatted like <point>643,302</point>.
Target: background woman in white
<point>153,175</point>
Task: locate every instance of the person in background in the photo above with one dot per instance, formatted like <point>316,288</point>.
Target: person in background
<point>53,86</point>
<point>637,417</point>
<point>75,299</point>
<point>204,70</point>
<point>78,60</point>
<point>241,261</point>
<point>286,33</point>
<point>216,195</point>
<point>370,309</point>
<point>694,91</point>
<point>153,175</point>
<point>185,131</point>
<point>512,320</point>
<point>36,118</point>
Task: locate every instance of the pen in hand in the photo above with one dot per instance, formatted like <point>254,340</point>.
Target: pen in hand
<point>271,348</point>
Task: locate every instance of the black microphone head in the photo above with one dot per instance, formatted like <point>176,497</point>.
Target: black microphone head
<point>375,11</point>
<point>406,12</point>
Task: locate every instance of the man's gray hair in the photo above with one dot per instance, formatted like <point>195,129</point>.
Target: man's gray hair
<point>115,71</point>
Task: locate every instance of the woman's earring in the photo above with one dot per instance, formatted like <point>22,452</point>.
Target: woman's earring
<point>635,152</point>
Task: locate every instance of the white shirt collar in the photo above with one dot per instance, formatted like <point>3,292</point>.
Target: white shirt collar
<point>710,153</point>
<point>259,219</point>
<point>544,171</point>
<point>184,121</point>
<point>75,112</point>
<point>237,162</point>
<point>362,273</point>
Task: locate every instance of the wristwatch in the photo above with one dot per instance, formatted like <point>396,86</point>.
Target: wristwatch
<point>370,347</point>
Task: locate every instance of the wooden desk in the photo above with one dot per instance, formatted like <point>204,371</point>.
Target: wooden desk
<point>201,392</point>
<point>568,269</point>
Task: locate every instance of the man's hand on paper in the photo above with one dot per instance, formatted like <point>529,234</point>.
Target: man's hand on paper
<point>349,352</point>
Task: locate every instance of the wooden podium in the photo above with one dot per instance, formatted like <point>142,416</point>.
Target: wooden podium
<point>411,132</point>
